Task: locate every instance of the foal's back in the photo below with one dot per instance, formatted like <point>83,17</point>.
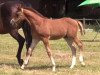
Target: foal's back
<point>61,27</point>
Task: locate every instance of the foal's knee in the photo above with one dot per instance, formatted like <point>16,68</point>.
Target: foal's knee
<point>49,53</point>
<point>29,52</point>
<point>80,45</point>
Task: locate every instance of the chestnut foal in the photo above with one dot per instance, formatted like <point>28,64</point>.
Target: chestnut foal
<point>44,29</point>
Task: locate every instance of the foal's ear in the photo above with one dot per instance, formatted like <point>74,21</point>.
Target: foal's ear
<point>19,7</point>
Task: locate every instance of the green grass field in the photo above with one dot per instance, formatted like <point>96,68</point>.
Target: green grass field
<point>41,65</point>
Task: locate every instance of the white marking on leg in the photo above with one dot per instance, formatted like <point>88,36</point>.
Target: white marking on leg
<point>29,52</point>
<point>81,59</point>
<point>72,46</point>
<point>22,67</point>
<point>53,62</point>
<point>25,63</point>
<point>73,62</point>
<point>52,59</point>
<point>26,60</point>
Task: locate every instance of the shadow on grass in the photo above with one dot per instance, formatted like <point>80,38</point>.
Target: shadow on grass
<point>13,65</point>
<point>36,67</point>
<point>43,67</point>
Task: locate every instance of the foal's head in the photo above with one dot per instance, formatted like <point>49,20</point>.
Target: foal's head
<point>18,17</point>
<point>8,10</point>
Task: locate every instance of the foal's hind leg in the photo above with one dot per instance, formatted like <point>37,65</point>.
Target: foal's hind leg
<point>70,42</point>
<point>80,45</point>
<point>46,43</point>
<point>29,52</point>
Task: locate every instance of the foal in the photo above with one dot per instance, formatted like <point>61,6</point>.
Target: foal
<point>44,29</point>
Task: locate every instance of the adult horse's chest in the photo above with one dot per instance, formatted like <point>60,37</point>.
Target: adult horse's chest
<point>4,26</point>
<point>2,30</point>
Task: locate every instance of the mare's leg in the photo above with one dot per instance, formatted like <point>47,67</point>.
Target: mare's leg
<point>46,43</point>
<point>80,45</point>
<point>20,40</point>
<point>29,52</point>
<point>27,32</point>
<point>70,42</point>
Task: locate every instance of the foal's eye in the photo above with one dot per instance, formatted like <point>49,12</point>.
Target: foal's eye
<point>17,15</point>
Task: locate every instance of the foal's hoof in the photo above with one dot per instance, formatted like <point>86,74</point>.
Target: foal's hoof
<point>71,67</point>
<point>54,69</point>
<point>22,67</point>
<point>83,64</point>
<point>21,62</point>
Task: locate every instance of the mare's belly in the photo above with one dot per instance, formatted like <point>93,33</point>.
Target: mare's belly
<point>2,29</point>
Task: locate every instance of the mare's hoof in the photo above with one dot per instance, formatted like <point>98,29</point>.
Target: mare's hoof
<point>21,62</point>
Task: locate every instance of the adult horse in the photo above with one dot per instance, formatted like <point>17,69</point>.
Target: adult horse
<point>44,29</point>
<point>7,10</point>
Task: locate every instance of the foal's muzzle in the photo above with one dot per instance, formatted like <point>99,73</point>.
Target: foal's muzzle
<point>14,21</point>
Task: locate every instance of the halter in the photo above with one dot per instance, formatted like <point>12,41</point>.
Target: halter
<point>1,4</point>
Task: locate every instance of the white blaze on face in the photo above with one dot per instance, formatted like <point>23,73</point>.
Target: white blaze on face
<point>81,60</point>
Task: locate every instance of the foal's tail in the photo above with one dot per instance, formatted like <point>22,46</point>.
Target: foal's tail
<point>82,30</point>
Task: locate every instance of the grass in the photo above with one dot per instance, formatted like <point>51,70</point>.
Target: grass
<point>41,65</point>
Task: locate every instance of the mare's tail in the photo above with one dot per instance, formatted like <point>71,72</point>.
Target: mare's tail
<point>82,30</point>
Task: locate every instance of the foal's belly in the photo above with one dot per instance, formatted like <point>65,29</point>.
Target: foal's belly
<point>58,31</point>
<point>57,36</point>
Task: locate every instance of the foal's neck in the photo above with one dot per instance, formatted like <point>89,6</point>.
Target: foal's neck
<point>32,16</point>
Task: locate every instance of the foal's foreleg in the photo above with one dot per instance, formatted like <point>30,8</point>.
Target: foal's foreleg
<point>80,45</point>
<point>72,46</point>
<point>46,43</point>
<point>29,52</point>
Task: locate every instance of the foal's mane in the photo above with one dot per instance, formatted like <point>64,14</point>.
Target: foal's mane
<point>33,10</point>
